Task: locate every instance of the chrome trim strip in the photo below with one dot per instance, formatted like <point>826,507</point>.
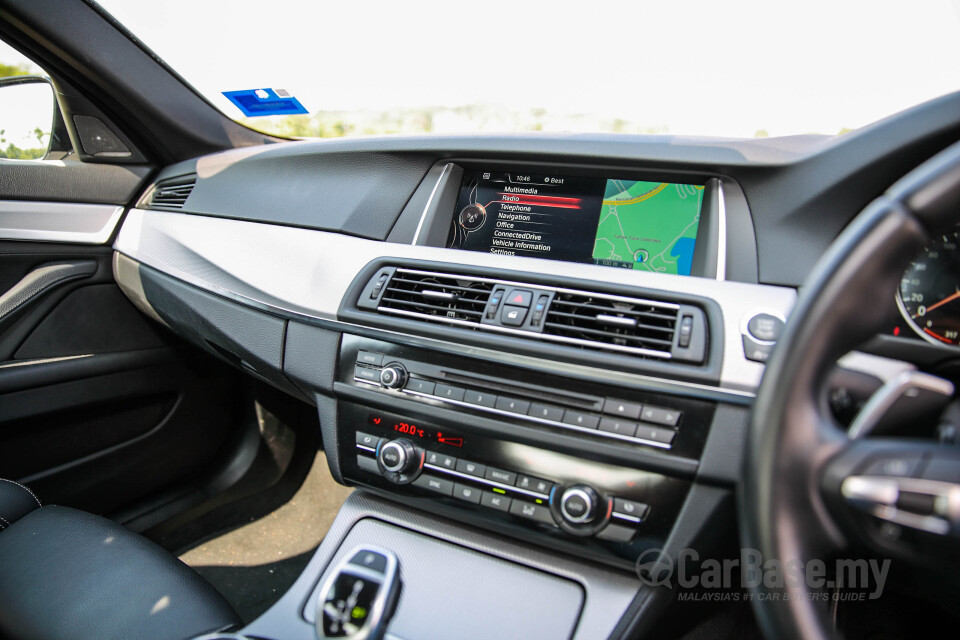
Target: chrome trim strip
<point>624,516</point>
<point>721,233</point>
<point>562,425</point>
<point>73,222</point>
<point>426,207</point>
<point>492,483</point>
<point>366,448</point>
<point>252,263</point>
<point>663,355</point>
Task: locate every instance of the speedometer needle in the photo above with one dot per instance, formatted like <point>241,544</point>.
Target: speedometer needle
<point>949,298</point>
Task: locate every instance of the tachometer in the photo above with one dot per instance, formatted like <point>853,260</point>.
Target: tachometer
<point>929,295</point>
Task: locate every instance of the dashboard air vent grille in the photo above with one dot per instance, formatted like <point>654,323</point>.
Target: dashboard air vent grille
<point>619,322</point>
<point>172,193</point>
<point>436,295</point>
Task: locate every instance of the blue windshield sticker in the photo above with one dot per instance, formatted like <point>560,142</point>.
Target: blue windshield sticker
<point>265,102</point>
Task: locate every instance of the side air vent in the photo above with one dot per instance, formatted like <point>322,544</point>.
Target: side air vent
<point>444,297</point>
<point>637,324</point>
<point>585,320</point>
<point>172,193</point>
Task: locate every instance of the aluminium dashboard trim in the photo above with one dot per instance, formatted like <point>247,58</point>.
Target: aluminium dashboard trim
<point>73,222</point>
<point>427,207</point>
<point>721,233</point>
<point>306,273</point>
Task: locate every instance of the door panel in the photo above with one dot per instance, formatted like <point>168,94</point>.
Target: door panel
<point>99,406</point>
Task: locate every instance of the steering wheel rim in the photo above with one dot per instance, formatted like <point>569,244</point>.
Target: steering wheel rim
<point>792,440</point>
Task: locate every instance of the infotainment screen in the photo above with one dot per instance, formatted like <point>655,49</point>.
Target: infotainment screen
<point>651,226</point>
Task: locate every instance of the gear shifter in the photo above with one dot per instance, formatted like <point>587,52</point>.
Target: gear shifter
<point>360,595</point>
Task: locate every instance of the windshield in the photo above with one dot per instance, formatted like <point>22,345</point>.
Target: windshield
<point>739,69</point>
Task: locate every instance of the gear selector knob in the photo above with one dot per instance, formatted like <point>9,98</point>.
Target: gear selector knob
<point>359,596</point>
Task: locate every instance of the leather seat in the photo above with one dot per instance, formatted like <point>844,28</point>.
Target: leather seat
<point>67,574</point>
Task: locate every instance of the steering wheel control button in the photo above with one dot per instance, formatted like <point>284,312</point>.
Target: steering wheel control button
<point>520,298</point>
<point>630,510</point>
<point>495,501</point>
<point>513,316</point>
<point>756,351</point>
<point>578,419</point>
<point>435,484</point>
<point>765,327</point>
<point>658,415</point>
<point>393,377</point>
<point>545,412</point>
<point>621,409</point>
<point>901,466</point>
<point>370,560</point>
<point>466,492</point>
<point>620,427</point>
<point>531,511</point>
<point>450,392</point>
<point>513,405</point>
<point>441,460</point>
<point>366,374</point>
<point>480,398</point>
<point>471,468</point>
<point>501,476</point>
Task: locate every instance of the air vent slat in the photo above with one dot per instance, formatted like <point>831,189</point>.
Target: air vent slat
<point>436,296</point>
<point>172,193</point>
<point>593,319</point>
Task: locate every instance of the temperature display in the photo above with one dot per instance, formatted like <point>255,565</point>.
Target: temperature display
<point>415,431</point>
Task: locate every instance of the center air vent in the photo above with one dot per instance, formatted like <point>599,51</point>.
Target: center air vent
<point>433,295</point>
<point>620,322</point>
<point>172,193</point>
<point>584,320</point>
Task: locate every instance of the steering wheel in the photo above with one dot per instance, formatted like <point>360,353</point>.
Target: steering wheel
<point>809,490</point>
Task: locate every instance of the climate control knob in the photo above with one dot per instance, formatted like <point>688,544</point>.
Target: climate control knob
<point>579,505</point>
<point>393,376</point>
<point>398,458</point>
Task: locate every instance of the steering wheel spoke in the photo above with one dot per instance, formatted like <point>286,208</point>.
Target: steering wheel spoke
<point>898,497</point>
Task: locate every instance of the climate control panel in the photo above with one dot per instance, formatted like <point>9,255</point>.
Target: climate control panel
<point>541,495</point>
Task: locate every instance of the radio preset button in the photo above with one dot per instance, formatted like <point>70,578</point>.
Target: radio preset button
<point>656,434</point>
<point>449,392</point>
<point>578,419</point>
<point>480,398</point>
<point>421,386</point>
<point>471,468</point>
<point>513,405</point>
<point>620,427</point>
<point>545,412</point>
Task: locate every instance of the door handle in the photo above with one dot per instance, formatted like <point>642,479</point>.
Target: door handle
<point>41,281</point>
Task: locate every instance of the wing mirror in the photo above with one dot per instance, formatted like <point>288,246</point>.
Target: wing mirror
<point>28,108</point>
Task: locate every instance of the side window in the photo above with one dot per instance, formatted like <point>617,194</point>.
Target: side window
<point>28,109</point>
